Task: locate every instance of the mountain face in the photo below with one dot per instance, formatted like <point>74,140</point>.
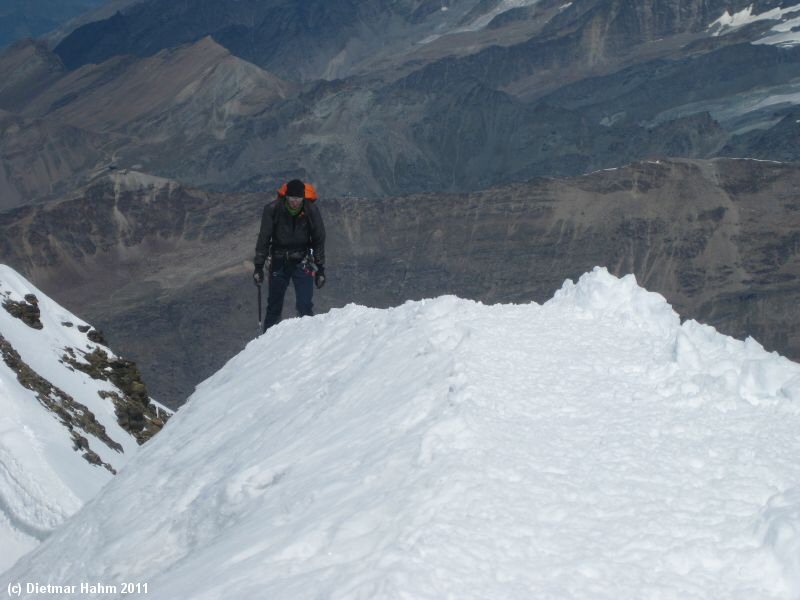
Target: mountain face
<point>297,40</point>
<point>41,158</point>
<point>719,239</point>
<point>592,446</point>
<point>73,413</point>
<point>382,100</point>
<point>386,98</point>
<point>68,126</point>
<point>175,93</point>
<point>318,39</point>
<point>31,18</point>
<point>29,68</point>
<point>100,12</point>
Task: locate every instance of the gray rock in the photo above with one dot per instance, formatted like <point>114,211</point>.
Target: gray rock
<point>719,239</point>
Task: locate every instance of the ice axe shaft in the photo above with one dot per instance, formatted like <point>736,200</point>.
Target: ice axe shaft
<point>260,322</point>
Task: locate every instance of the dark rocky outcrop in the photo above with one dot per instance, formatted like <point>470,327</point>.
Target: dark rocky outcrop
<point>96,337</point>
<point>26,311</point>
<point>72,414</point>
<point>136,414</point>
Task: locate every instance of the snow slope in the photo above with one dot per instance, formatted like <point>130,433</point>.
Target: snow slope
<point>588,448</point>
<point>43,479</point>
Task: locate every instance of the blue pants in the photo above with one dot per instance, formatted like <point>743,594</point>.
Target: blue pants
<point>282,272</point>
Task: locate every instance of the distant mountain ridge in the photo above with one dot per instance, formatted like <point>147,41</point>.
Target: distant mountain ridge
<point>384,101</point>
<point>68,125</point>
<point>32,18</point>
<point>393,98</point>
<point>470,93</point>
<point>719,239</point>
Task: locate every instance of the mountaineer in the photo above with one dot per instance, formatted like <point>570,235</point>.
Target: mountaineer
<point>291,245</point>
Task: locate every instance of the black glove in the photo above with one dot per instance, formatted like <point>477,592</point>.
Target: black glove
<point>258,275</point>
<point>319,278</point>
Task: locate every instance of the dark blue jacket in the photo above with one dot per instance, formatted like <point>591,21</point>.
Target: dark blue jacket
<point>281,232</point>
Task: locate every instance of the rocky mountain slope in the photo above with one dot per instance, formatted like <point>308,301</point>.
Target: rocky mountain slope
<point>404,112</point>
<point>165,270</point>
<point>29,18</point>
<point>42,158</point>
<point>64,127</point>
<point>72,413</point>
<point>392,98</point>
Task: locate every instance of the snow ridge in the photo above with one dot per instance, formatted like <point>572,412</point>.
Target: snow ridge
<point>591,447</point>
<point>60,439</point>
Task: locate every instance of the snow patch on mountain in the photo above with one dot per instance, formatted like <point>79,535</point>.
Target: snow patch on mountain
<point>481,21</point>
<point>60,438</point>
<point>744,17</point>
<point>784,33</point>
<point>503,6</point>
<point>590,447</point>
<point>753,109</point>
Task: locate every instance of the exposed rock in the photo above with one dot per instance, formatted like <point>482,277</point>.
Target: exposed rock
<point>97,337</point>
<point>41,158</point>
<point>135,413</point>
<point>719,239</point>
<point>27,311</point>
<point>80,443</point>
<point>28,67</point>
<point>557,89</point>
<point>72,414</point>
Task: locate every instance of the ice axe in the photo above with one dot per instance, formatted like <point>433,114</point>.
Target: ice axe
<point>260,323</point>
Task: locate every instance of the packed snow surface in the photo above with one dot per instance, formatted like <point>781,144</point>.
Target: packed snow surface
<point>589,448</point>
<point>43,480</point>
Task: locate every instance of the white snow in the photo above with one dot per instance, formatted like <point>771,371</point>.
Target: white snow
<point>589,448</point>
<point>43,480</point>
<point>503,6</point>
<point>483,20</point>
<point>786,33</point>
<point>744,17</point>
<point>757,108</point>
<point>782,34</point>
